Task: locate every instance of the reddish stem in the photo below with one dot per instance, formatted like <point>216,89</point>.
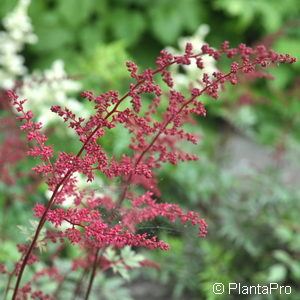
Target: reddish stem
<point>92,275</point>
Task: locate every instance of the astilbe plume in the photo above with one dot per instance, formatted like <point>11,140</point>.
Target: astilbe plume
<point>154,141</point>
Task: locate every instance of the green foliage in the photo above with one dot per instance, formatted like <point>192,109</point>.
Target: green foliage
<point>76,30</point>
<point>120,263</point>
<point>183,263</point>
<point>7,6</point>
<point>111,288</point>
<point>8,251</point>
<point>98,60</point>
<point>68,9</point>
<point>271,14</point>
<point>126,28</point>
<point>167,24</point>
<point>218,268</point>
<point>28,233</point>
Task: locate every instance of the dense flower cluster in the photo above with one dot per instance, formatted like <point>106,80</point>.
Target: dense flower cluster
<point>154,114</point>
<point>18,32</point>
<point>192,72</point>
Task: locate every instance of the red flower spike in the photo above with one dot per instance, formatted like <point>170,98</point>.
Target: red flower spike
<point>154,137</point>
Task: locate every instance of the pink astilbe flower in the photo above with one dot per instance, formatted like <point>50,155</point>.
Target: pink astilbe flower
<point>145,208</point>
<point>155,129</point>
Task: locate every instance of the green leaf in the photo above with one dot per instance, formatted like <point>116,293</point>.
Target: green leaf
<point>7,6</point>
<point>8,251</point>
<point>50,19</point>
<point>74,12</point>
<point>166,22</point>
<point>126,252</point>
<point>134,262</point>
<point>96,64</point>
<point>270,18</point>
<point>247,116</point>
<point>139,3</point>
<point>89,36</point>
<point>37,8</point>
<point>295,269</point>
<point>130,258</point>
<point>192,14</point>
<point>29,231</point>
<point>124,273</point>
<point>51,39</point>
<point>269,13</point>
<point>126,25</point>
<point>283,76</point>
<point>277,273</point>
<point>111,254</point>
<point>283,257</point>
<point>118,267</point>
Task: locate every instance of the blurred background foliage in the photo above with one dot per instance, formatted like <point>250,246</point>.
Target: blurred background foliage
<point>246,182</point>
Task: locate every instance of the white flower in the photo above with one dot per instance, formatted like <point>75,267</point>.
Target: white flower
<point>18,32</point>
<point>191,72</point>
<point>18,24</point>
<point>47,88</point>
<point>42,89</point>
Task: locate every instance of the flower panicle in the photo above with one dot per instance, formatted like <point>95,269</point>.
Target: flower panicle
<point>156,131</point>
